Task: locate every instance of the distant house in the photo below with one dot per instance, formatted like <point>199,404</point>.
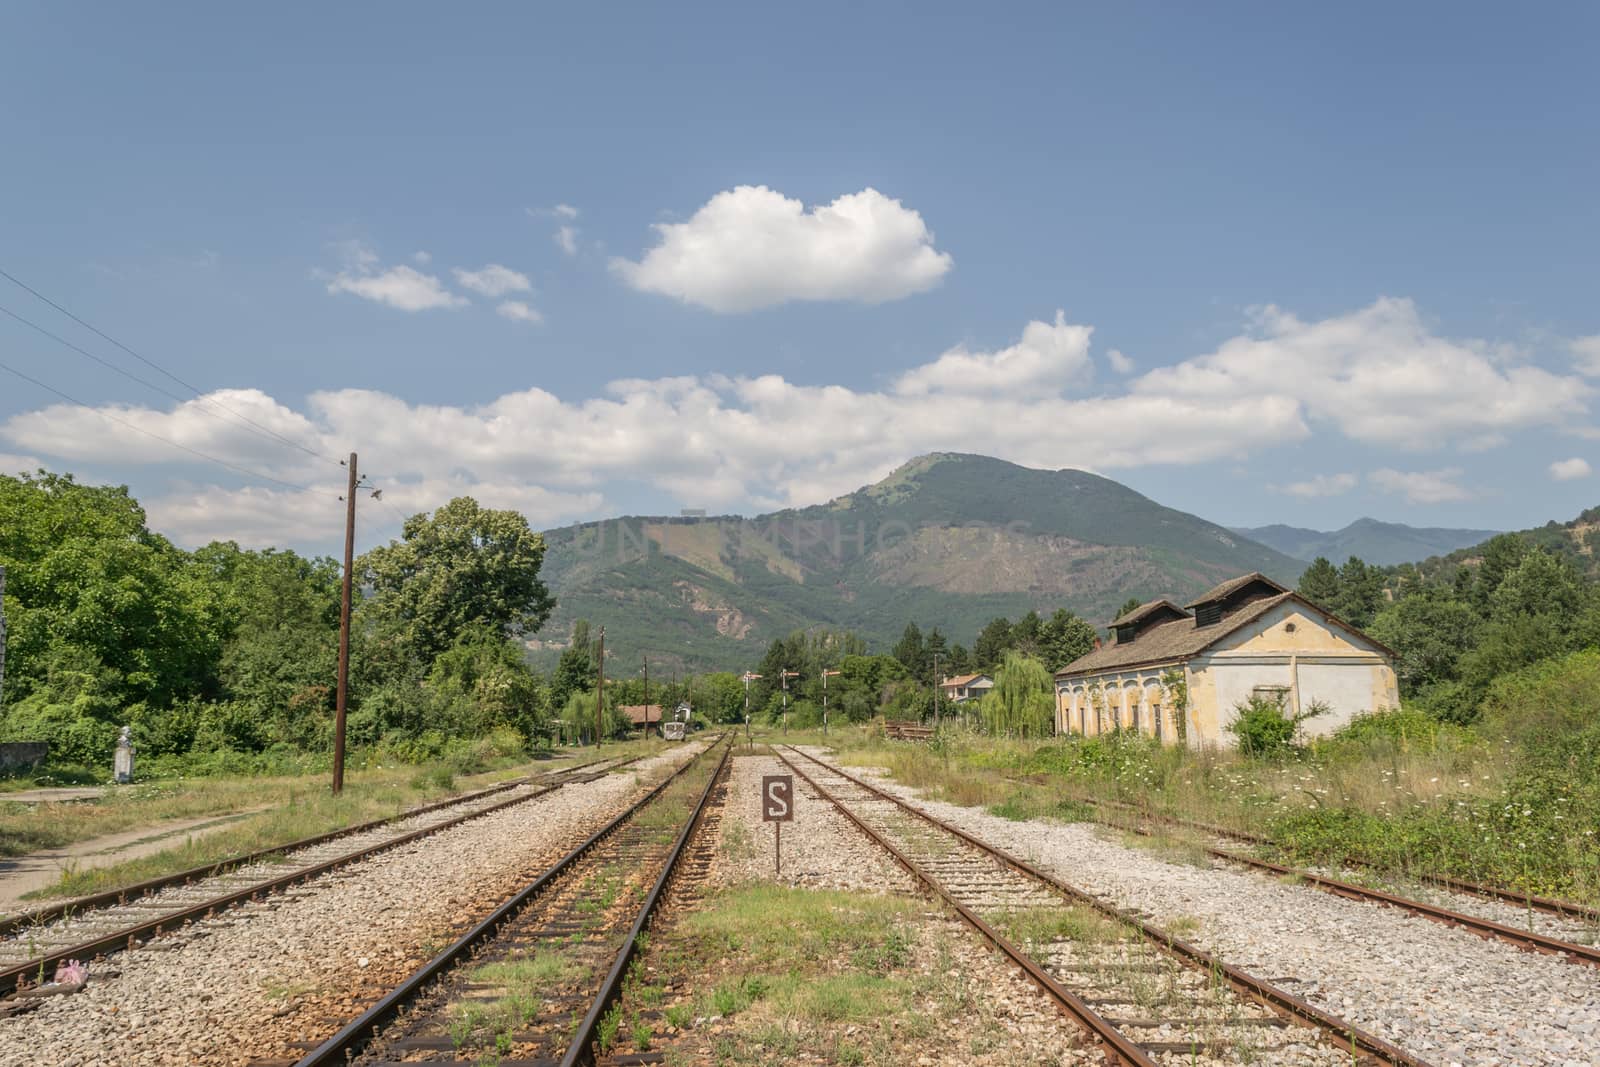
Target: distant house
<point>964,687</point>
<point>1247,637</point>
<point>645,715</point>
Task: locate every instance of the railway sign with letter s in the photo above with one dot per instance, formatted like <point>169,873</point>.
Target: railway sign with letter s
<point>777,798</point>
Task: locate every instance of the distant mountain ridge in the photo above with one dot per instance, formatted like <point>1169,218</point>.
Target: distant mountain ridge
<point>947,539</point>
<point>1382,543</point>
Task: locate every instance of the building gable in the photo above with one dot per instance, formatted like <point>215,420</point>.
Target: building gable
<point>1294,626</point>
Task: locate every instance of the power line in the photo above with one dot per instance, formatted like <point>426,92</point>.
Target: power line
<point>148,362</point>
<point>148,433</point>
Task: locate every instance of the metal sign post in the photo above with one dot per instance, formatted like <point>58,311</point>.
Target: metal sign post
<point>826,674</point>
<point>749,676</point>
<point>777,807</point>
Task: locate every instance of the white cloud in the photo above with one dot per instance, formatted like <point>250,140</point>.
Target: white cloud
<point>493,280</point>
<point>751,247</point>
<point>753,442</point>
<point>1320,485</point>
<point>400,286</point>
<point>1378,375</point>
<point>566,238</point>
<point>519,311</point>
<point>1119,362</point>
<point>1586,355</point>
<point>1422,487</point>
<point>1048,356</point>
<point>421,258</point>
<point>566,211</point>
<point>11,463</point>
<point>1566,470</point>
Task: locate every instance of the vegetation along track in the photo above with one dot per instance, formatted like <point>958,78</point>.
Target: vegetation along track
<point>36,941</point>
<point>1569,913</point>
<point>1147,996</point>
<point>534,982</point>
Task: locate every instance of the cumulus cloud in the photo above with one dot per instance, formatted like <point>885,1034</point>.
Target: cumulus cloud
<point>11,463</point>
<point>1422,487</point>
<point>1048,356</point>
<point>566,211</point>
<point>752,247</point>
<point>760,441</point>
<point>1119,362</point>
<point>566,238</point>
<point>519,311</point>
<point>493,280</point>
<point>1378,375</point>
<point>1566,470</point>
<point>1320,485</point>
<point>399,286</point>
<point>1586,355</point>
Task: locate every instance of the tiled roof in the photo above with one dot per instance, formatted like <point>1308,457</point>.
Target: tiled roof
<point>1231,586</point>
<point>1144,609</point>
<point>1170,641</point>
<point>636,712</point>
<point>960,680</point>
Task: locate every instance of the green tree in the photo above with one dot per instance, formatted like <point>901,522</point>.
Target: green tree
<point>1022,703</point>
<point>990,647</point>
<point>1319,583</point>
<point>1128,605</point>
<point>1501,554</point>
<point>912,651</point>
<point>1429,631</point>
<point>463,566</point>
<point>1064,638</point>
<point>1360,593</point>
<point>1027,634</point>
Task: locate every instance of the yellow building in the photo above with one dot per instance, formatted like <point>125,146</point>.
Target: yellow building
<point>1247,637</point>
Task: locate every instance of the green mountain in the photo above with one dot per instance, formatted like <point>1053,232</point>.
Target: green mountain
<point>947,540</point>
<point>1578,541</point>
<point>1381,543</point>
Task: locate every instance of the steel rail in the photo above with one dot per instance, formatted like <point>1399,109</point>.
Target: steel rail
<point>1119,1050</point>
<point>126,893</point>
<point>126,937</point>
<point>1565,909</point>
<point>581,1051</point>
<point>1348,1035</point>
<point>354,1035</point>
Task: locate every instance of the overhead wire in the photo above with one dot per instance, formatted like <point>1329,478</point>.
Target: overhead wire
<point>246,471</point>
<point>205,400</point>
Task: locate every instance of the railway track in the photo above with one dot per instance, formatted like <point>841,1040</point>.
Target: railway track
<point>1532,940</point>
<point>1147,996</point>
<point>36,941</point>
<point>534,984</point>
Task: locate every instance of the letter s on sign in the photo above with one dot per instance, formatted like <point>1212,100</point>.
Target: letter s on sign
<point>777,799</point>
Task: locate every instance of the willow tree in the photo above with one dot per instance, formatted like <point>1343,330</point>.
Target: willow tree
<point>1021,703</point>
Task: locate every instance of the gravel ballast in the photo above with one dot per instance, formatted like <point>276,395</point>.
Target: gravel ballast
<point>1443,994</point>
<point>257,978</point>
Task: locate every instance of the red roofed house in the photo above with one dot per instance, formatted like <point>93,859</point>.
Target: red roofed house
<point>639,714</point>
<point>964,687</point>
<point>1247,637</point>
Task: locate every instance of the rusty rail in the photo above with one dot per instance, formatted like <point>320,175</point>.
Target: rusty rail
<point>1345,1034</point>
<point>1565,909</point>
<point>351,1038</point>
<point>128,936</point>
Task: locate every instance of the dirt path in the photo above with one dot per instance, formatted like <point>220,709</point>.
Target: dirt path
<point>24,874</point>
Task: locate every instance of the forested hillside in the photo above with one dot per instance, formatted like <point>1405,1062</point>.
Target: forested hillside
<point>953,540</point>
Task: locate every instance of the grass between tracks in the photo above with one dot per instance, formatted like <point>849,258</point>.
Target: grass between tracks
<point>295,807</point>
<point>774,972</point>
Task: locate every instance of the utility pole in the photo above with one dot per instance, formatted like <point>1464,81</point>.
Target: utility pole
<point>938,684</point>
<point>343,694</point>
<point>646,661</point>
<point>600,690</point>
<point>747,678</point>
<point>784,676</point>
<point>826,674</point>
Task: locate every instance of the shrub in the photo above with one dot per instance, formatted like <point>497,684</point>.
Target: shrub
<point>1263,728</point>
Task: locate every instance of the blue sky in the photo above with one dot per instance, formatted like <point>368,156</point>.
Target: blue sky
<point>1259,263</point>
